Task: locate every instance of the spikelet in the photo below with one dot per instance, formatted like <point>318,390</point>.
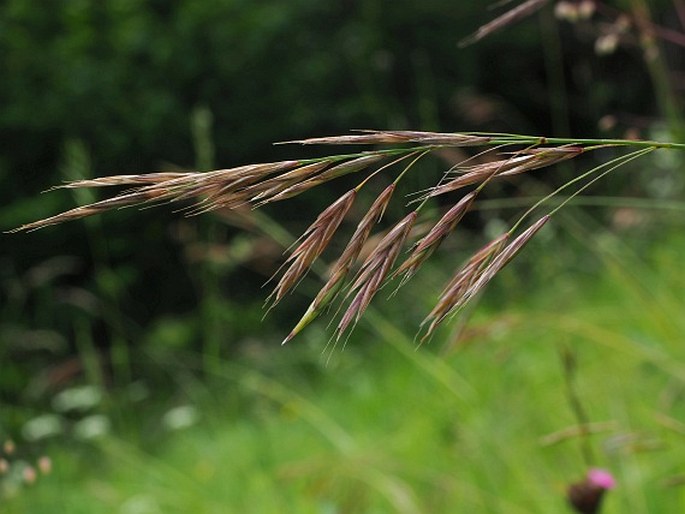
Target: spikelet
<point>477,273</point>
<point>314,241</point>
<point>511,16</point>
<point>431,241</point>
<point>378,137</point>
<point>341,268</point>
<point>374,270</point>
<point>520,162</point>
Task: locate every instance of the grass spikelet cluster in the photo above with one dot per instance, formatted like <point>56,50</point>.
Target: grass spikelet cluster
<point>500,156</point>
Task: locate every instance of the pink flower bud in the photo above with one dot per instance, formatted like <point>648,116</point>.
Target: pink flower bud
<point>601,478</point>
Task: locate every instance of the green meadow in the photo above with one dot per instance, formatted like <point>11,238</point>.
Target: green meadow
<point>481,419</point>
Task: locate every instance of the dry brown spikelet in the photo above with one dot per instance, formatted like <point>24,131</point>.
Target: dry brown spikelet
<point>511,16</point>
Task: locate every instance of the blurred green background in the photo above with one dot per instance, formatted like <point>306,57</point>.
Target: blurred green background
<point>133,353</point>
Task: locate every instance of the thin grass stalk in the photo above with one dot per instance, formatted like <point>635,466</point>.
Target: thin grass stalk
<point>508,18</point>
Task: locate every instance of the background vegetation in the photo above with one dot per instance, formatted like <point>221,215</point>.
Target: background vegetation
<point>132,348</point>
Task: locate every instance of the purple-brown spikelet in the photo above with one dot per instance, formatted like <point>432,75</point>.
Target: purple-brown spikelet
<point>344,168</point>
<point>124,200</point>
<point>227,188</point>
<point>378,137</point>
<point>498,261</point>
<point>314,241</point>
<point>123,180</point>
<point>215,188</point>
<point>479,270</point>
<point>431,241</point>
<point>374,270</point>
<point>264,191</point>
<point>504,257</point>
<point>255,191</point>
<point>461,282</point>
<point>511,16</point>
<point>361,233</point>
<point>520,162</point>
<point>341,268</point>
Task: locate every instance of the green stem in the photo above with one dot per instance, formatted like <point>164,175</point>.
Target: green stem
<point>583,142</point>
<point>617,163</point>
<point>616,142</point>
<point>505,139</point>
<point>569,367</point>
<point>608,167</point>
<point>554,71</point>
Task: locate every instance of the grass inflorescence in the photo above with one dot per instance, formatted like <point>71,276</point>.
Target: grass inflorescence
<point>356,283</point>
